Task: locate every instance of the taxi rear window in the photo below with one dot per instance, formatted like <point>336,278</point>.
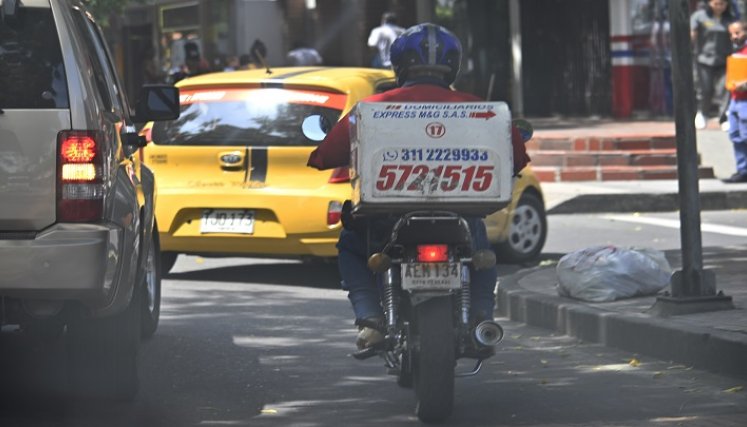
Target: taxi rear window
<point>32,75</point>
<point>259,117</point>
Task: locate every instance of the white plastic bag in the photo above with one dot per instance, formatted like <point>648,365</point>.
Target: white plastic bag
<point>608,273</point>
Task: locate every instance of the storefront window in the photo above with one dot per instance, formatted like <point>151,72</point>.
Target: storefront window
<point>181,46</point>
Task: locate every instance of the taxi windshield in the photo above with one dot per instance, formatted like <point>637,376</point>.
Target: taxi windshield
<point>247,117</point>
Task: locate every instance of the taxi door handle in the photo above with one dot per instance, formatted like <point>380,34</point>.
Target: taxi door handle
<point>232,160</point>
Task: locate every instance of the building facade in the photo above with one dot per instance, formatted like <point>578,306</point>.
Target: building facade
<point>545,57</point>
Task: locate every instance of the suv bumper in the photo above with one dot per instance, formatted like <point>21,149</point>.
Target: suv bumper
<point>65,261</point>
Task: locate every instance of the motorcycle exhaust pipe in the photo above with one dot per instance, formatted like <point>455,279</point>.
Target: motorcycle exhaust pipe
<point>488,333</point>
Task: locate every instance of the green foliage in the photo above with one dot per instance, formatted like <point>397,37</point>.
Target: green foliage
<point>445,13</point>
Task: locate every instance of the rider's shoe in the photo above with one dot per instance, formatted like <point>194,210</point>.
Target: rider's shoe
<point>370,332</point>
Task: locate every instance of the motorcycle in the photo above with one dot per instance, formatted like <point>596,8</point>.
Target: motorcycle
<point>421,256</point>
<point>426,299</point>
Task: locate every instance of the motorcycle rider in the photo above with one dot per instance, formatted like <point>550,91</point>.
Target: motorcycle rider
<point>426,60</point>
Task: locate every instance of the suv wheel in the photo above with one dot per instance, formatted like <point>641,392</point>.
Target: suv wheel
<point>151,309</point>
<point>102,354</point>
<point>527,231</point>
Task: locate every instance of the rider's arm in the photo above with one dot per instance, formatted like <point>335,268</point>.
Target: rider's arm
<point>334,150</point>
<point>521,158</point>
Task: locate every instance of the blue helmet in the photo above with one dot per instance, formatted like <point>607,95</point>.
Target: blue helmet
<point>426,47</point>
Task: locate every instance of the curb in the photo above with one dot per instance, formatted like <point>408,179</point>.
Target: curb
<point>648,202</point>
<point>717,351</point>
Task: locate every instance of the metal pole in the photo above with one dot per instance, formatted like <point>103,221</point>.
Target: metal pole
<point>687,155</point>
<point>693,288</point>
<point>517,94</point>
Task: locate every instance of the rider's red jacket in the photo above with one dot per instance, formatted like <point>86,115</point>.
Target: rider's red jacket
<point>334,150</point>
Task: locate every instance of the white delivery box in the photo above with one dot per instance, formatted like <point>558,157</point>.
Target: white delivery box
<point>431,156</point>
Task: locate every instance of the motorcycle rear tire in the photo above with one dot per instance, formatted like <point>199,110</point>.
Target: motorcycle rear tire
<point>434,361</point>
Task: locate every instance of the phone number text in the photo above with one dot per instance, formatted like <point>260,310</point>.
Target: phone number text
<point>443,154</point>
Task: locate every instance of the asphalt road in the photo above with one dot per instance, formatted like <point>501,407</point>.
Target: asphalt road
<point>251,342</point>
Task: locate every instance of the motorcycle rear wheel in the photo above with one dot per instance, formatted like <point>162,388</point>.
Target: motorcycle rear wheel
<point>434,361</point>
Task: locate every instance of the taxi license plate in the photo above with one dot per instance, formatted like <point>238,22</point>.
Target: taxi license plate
<point>431,276</point>
<point>240,221</point>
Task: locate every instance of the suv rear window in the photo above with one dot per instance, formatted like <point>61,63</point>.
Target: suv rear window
<point>247,117</point>
<point>32,74</point>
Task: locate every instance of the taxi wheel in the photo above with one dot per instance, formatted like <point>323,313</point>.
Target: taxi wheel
<point>527,231</point>
<point>168,259</point>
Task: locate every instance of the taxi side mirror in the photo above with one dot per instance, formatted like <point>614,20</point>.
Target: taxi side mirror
<point>157,103</point>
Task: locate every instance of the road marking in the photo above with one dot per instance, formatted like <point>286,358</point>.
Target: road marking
<point>675,223</point>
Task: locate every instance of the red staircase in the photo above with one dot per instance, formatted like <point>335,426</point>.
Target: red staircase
<point>606,157</point>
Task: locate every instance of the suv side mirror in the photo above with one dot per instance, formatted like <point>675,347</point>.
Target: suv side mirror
<point>157,103</point>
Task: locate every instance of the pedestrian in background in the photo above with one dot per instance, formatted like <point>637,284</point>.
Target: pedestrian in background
<point>710,36</point>
<point>232,63</point>
<point>301,55</point>
<point>738,108</point>
<point>382,38</point>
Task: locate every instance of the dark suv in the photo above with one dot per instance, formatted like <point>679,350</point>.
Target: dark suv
<point>79,251</point>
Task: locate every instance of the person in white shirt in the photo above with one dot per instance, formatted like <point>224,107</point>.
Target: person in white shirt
<point>303,55</point>
<point>382,38</point>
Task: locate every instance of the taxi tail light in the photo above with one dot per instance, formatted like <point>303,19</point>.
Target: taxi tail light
<point>147,133</point>
<point>334,213</point>
<point>433,253</point>
<point>80,187</point>
<point>341,174</point>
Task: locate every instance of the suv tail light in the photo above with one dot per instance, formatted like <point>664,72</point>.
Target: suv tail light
<point>80,187</point>
<point>433,253</point>
<point>341,174</point>
<point>334,213</point>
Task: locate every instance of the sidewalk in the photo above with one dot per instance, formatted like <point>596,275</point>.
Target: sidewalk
<point>715,341</point>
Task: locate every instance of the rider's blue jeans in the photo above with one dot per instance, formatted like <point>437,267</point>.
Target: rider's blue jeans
<point>363,292</point>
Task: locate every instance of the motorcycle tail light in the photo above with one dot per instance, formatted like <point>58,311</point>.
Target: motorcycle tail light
<point>334,213</point>
<point>341,174</point>
<point>433,253</point>
<point>80,188</point>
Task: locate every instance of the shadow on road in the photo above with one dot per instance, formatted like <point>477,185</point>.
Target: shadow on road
<point>317,275</point>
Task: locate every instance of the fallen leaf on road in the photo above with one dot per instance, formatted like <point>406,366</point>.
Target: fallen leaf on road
<point>634,362</point>
<point>734,389</point>
<point>544,362</point>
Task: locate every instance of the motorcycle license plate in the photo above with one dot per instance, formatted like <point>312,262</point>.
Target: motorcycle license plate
<point>238,221</point>
<point>430,276</point>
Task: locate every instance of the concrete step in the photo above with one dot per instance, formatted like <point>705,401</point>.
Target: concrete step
<point>563,158</point>
<point>611,173</point>
<point>593,143</point>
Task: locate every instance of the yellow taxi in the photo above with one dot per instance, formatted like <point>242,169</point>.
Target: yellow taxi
<point>232,177</point>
